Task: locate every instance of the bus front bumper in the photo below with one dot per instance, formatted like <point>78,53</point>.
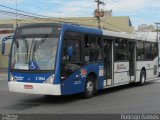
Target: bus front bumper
<point>35,88</point>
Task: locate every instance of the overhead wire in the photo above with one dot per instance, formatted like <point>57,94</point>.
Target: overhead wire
<point>41,8</point>
<point>37,15</point>
<point>120,6</point>
<point>127,9</point>
<point>23,11</point>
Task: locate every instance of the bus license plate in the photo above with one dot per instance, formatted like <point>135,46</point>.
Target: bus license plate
<point>28,86</point>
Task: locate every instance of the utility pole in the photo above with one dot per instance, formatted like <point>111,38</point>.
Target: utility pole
<point>16,15</point>
<point>158,32</point>
<point>158,40</point>
<point>99,13</point>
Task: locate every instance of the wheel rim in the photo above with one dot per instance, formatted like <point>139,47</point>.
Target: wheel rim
<point>143,78</point>
<point>89,87</point>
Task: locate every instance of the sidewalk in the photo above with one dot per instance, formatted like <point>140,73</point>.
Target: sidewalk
<point>2,70</point>
<point>3,74</point>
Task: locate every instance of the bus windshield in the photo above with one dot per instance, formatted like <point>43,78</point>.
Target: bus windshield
<point>34,53</point>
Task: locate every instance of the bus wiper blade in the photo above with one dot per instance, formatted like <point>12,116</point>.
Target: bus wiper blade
<point>37,44</point>
<point>16,42</point>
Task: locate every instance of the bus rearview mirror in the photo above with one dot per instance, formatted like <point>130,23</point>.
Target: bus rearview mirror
<point>4,40</point>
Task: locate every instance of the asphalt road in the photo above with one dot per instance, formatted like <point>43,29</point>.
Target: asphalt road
<point>124,99</point>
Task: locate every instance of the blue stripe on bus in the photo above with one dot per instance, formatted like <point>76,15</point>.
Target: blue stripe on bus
<point>30,77</point>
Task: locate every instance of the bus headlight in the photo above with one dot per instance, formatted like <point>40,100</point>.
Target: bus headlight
<point>12,78</point>
<point>49,80</point>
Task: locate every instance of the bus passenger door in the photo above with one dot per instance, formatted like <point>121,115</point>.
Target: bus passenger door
<point>132,61</point>
<point>108,62</point>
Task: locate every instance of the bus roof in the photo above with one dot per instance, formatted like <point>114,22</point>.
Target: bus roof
<point>145,36</point>
<point>66,26</point>
<point>83,29</point>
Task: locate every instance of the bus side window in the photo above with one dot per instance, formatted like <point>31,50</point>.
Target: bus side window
<point>154,50</point>
<point>86,48</point>
<point>94,52</point>
<point>148,51</point>
<point>140,50</point>
<point>71,60</point>
<point>92,48</point>
<point>64,49</point>
<point>75,44</point>
<point>120,48</point>
<point>100,42</point>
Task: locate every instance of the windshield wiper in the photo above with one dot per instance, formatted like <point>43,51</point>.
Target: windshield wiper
<point>30,50</point>
<point>26,45</point>
<point>37,44</point>
<point>16,43</point>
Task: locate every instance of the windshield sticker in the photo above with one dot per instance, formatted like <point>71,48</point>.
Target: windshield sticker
<point>83,73</point>
<point>19,78</point>
<point>101,71</point>
<point>33,65</point>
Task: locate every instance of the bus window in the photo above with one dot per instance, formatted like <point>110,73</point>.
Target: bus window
<point>93,52</point>
<point>148,51</point>
<point>100,43</point>
<point>75,44</point>
<point>71,63</point>
<point>154,50</point>
<point>121,50</point>
<point>86,48</point>
<point>92,48</point>
<point>140,50</point>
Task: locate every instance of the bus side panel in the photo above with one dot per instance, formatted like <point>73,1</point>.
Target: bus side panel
<point>75,83</point>
<point>151,68</point>
<point>121,73</point>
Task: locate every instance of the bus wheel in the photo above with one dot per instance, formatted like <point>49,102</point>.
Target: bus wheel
<point>90,87</point>
<point>142,78</point>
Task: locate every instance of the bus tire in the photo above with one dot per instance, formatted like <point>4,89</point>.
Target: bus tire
<point>90,87</point>
<point>142,78</point>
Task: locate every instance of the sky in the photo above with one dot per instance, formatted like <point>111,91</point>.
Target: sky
<point>139,11</point>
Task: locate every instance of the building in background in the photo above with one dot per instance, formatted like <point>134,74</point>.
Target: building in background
<point>146,28</point>
<point>108,22</point>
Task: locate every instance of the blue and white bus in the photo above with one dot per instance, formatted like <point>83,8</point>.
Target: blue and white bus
<point>64,59</point>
